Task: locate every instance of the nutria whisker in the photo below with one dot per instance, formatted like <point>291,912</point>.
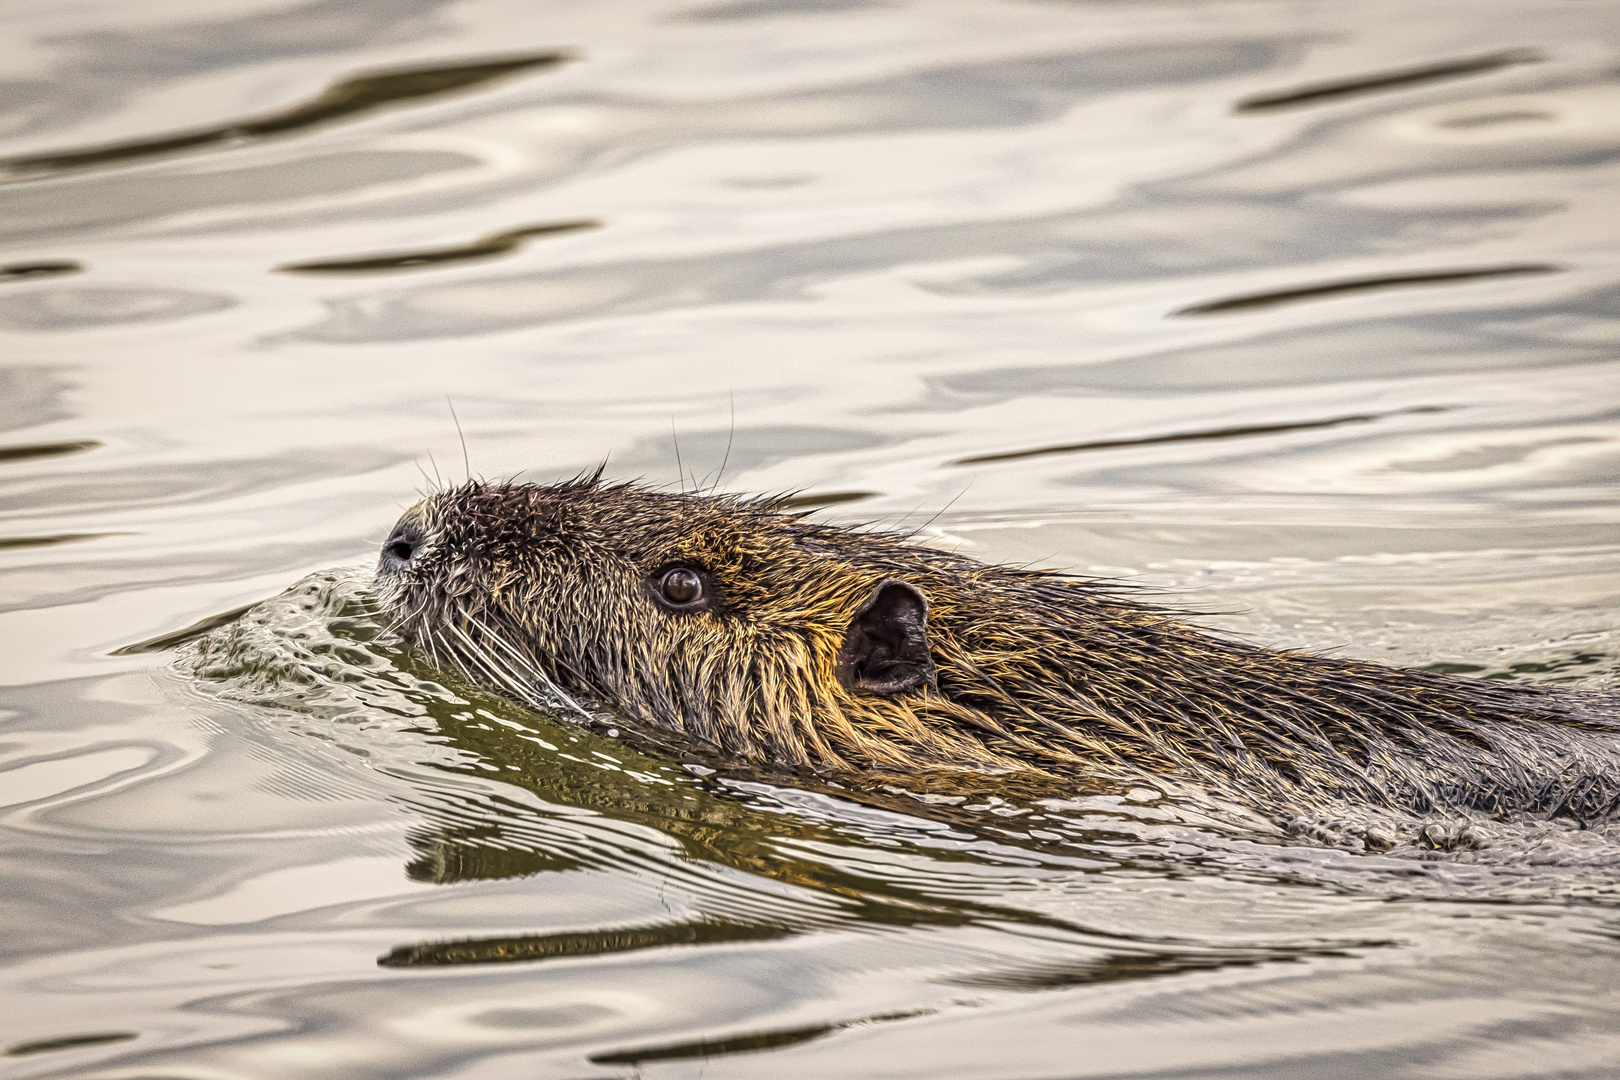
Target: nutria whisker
<point>432,640</point>
<point>511,680</point>
<point>466,459</point>
<point>399,623</point>
<point>680,469</point>
<point>477,669</point>
<point>941,511</point>
<point>731,433</point>
<point>784,642</point>
<point>527,665</point>
<point>472,656</point>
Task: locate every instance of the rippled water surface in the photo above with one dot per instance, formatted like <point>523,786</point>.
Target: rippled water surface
<point>1308,313</point>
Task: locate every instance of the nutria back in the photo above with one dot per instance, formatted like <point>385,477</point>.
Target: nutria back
<point>788,643</point>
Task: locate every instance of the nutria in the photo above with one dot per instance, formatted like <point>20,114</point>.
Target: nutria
<point>781,641</point>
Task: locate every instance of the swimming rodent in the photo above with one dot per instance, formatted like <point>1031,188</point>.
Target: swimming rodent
<point>798,645</point>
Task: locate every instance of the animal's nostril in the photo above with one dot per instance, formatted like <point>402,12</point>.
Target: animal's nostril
<point>401,550</point>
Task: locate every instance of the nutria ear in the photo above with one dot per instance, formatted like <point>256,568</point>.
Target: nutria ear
<point>886,647</point>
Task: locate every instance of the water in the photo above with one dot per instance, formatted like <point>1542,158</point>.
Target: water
<point>1307,313</point>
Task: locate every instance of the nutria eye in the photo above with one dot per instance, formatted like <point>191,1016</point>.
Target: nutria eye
<point>681,587</point>
<point>401,550</point>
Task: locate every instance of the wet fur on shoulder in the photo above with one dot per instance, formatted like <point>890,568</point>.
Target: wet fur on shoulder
<point>554,589</point>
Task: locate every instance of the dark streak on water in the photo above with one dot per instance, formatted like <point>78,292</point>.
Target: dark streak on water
<point>1132,966</point>
<point>485,247</point>
<point>1397,79</point>
<point>1245,431</point>
<point>1366,284</point>
<point>740,1044</point>
<point>29,271</point>
<point>40,450</point>
<point>351,97</point>
<point>708,1048</point>
<point>13,542</point>
<point>67,1042</point>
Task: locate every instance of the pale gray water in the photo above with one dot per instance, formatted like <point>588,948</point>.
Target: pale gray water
<point>1304,311</point>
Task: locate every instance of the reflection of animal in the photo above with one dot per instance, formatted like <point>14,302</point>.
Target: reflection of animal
<point>793,644</point>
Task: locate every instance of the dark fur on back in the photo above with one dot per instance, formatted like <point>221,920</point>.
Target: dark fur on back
<point>529,586</point>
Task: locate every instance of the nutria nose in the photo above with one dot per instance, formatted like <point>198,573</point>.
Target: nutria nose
<point>401,547</point>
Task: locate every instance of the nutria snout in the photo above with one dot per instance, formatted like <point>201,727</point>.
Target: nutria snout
<point>790,643</point>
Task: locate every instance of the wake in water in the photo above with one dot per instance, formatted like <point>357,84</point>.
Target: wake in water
<point>318,661</point>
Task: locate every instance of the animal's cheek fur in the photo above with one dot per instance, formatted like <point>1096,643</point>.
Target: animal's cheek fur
<point>500,585</point>
<point>602,638</point>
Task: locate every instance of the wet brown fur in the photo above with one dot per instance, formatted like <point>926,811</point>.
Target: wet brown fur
<point>536,588</point>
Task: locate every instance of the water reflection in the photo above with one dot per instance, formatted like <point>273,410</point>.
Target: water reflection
<point>354,96</point>
<point>1337,288</point>
<point>30,270</point>
<point>766,9</point>
<point>38,450</point>
<point>109,203</point>
<point>34,396</point>
<point>1378,82</point>
<point>857,242</point>
<point>1189,436</point>
<point>486,247</point>
<point>9,542</point>
<point>67,309</point>
<point>1056,253</point>
<point>101,66</point>
<point>1486,333</point>
<point>1574,125</point>
<point>706,1049</point>
<point>62,493</point>
<point>67,1042</point>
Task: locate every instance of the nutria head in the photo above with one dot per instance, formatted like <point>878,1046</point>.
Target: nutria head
<point>767,636</point>
<point>782,641</point>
